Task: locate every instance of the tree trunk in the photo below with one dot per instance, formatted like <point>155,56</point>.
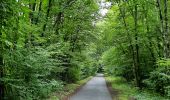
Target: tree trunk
<point>150,47</point>
<point>39,12</point>
<point>135,53</point>
<point>47,15</point>
<point>166,35</point>
<point>31,15</point>
<point>162,27</point>
<point>58,21</point>
<point>137,67</point>
<point>29,36</point>
<point>2,87</point>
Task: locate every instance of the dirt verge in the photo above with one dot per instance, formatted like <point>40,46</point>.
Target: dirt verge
<point>113,92</point>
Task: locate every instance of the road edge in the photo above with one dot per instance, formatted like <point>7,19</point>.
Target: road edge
<point>114,93</point>
<point>67,97</point>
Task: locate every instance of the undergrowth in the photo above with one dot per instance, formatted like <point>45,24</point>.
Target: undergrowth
<point>127,91</point>
<point>68,90</point>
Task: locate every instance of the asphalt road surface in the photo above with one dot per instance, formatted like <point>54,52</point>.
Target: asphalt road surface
<point>95,89</point>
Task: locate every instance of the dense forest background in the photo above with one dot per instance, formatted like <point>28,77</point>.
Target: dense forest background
<point>45,44</point>
<point>136,33</point>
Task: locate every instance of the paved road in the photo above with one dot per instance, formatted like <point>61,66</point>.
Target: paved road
<point>95,89</point>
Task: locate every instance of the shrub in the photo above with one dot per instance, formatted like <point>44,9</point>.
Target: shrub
<point>159,79</point>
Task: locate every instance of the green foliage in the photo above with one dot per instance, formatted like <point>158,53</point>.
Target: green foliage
<point>126,91</point>
<point>68,89</point>
<point>27,72</point>
<point>135,36</point>
<point>159,79</point>
<point>43,46</point>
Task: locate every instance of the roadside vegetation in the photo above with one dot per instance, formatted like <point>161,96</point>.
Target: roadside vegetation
<point>68,90</point>
<point>126,91</point>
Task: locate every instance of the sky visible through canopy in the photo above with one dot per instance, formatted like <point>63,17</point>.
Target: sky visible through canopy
<point>104,6</point>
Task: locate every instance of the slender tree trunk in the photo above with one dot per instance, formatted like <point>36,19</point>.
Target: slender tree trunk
<point>16,33</point>
<point>159,40</point>
<point>31,15</point>
<point>125,25</point>
<point>137,68</point>
<point>166,35</point>
<point>29,37</point>
<point>47,15</point>
<point>150,47</point>
<point>162,26</point>
<point>58,21</point>
<point>135,54</point>
<point>60,16</point>
<point>2,87</point>
<point>129,37</point>
<point>39,12</point>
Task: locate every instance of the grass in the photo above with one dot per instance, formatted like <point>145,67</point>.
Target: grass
<point>68,90</point>
<point>128,92</point>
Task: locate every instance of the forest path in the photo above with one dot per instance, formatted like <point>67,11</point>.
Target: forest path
<point>95,89</point>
